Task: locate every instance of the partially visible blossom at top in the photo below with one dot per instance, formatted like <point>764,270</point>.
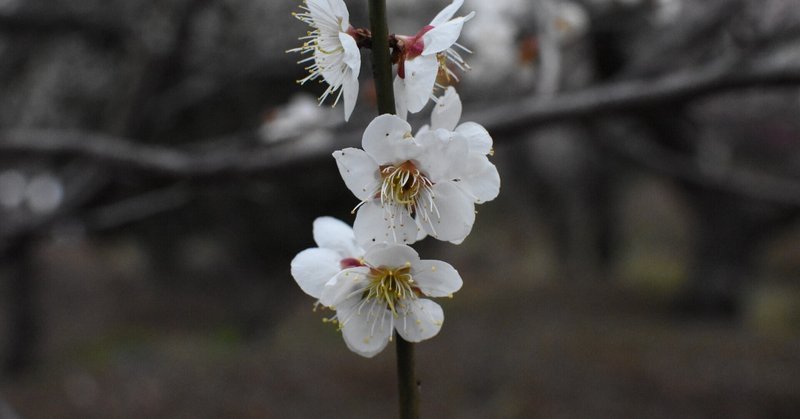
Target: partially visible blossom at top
<point>424,56</point>
<point>411,186</point>
<point>313,268</point>
<point>387,293</point>
<point>334,52</point>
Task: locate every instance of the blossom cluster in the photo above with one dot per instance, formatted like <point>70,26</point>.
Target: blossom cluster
<point>408,185</point>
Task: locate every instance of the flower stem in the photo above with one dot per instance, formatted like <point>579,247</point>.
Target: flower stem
<point>381,59</point>
<point>407,380</point>
<point>408,387</point>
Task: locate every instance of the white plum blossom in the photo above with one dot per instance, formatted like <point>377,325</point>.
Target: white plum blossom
<point>335,54</point>
<point>411,186</point>
<point>337,250</point>
<point>424,55</point>
<point>387,293</point>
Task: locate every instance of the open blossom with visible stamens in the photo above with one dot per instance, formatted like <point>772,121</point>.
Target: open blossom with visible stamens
<point>338,250</point>
<point>412,186</point>
<point>387,293</point>
<point>335,54</point>
<point>424,55</point>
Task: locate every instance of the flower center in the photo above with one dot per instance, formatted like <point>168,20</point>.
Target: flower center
<point>403,184</point>
<point>391,286</point>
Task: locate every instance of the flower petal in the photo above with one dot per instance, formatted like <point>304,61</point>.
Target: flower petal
<point>325,14</point>
<point>443,36</point>
<point>456,214</point>
<point>479,139</point>
<point>344,286</point>
<point>447,111</point>
<point>334,234</point>
<point>312,268</point>
<point>443,154</point>
<point>350,92</point>
<point>447,13</point>
<point>339,9</point>
<point>391,256</point>
<point>422,321</point>
<point>480,180</point>
<point>352,55</point>
<point>366,329</point>
<point>352,58</point>
<point>388,140</point>
<point>377,223</point>
<point>400,106</point>
<point>359,172</point>
<point>420,78</point>
<point>436,278</point>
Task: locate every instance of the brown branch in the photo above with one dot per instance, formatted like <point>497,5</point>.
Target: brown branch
<point>129,155</point>
<point>503,121</point>
<point>634,95</point>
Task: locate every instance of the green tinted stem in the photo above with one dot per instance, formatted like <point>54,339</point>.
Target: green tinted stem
<point>407,380</point>
<point>381,58</point>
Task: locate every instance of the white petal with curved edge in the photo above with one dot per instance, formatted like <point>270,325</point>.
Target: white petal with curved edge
<point>480,178</point>
<point>388,140</point>
<point>334,234</point>
<point>359,172</point>
<point>457,211</point>
<point>479,139</point>
<point>352,55</point>
<point>391,256</point>
<point>447,111</point>
<point>339,9</point>
<point>323,14</point>
<point>378,224</point>
<point>422,321</point>
<point>447,13</point>
<point>399,87</point>
<point>314,267</point>
<point>352,58</point>
<point>436,278</point>
<point>344,286</point>
<point>366,328</point>
<point>420,78</point>
<point>350,92</point>
<point>443,36</point>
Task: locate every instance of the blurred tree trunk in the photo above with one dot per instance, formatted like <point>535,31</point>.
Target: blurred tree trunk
<point>723,259</point>
<point>23,328</point>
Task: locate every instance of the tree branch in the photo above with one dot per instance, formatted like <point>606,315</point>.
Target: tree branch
<point>129,155</point>
<point>634,95</point>
<point>502,120</point>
